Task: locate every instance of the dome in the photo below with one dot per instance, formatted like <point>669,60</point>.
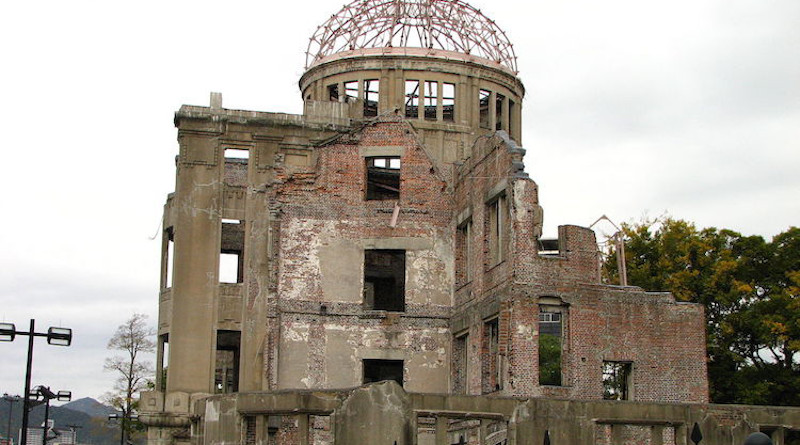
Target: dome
<point>451,26</point>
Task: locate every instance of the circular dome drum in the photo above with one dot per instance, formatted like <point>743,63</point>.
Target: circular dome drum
<point>450,26</point>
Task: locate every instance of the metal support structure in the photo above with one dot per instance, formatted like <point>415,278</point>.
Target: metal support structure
<point>447,25</point>
<point>55,336</point>
<point>620,250</point>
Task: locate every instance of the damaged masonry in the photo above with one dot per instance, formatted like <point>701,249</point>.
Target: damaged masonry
<point>372,271</point>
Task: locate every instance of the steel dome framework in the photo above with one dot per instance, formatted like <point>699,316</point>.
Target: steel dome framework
<point>449,25</point>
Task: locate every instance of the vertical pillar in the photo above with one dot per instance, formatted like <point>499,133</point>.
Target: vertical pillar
<point>196,250</point>
<point>505,123</point>
<point>441,430</point>
<point>493,110</point>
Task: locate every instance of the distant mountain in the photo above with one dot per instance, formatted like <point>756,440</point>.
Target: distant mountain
<point>91,429</point>
<point>90,406</point>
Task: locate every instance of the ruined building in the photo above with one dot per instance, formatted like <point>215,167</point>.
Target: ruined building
<point>391,233</point>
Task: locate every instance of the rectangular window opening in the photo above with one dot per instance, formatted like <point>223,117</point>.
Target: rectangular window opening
<point>791,437</point>
<point>226,374</point>
<point>464,253</point>
<point>498,112</point>
<point>448,101</point>
<point>169,257</point>
<point>237,153</point>
<point>550,346</point>
<point>380,370</point>
<point>431,98</point>
<point>460,364</point>
<point>231,258</point>
<point>333,92</point>
<point>163,363</point>
<point>385,280</point>
<point>491,371</point>
<point>351,91</point>
<point>412,99</point>
<point>617,380</point>
<point>383,178</point>
<point>496,230</point>
<point>371,93</point>
<point>483,108</point>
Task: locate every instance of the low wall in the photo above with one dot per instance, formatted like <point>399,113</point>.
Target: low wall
<point>382,413</point>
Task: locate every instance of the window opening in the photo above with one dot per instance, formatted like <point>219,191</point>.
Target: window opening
<point>231,258</point>
<point>483,108</point>
<point>791,437</point>
<point>490,366</point>
<point>383,178</point>
<point>385,280</point>
<point>464,253</point>
<point>351,91</point>
<point>448,101</point>
<point>412,98</point>
<point>226,373</point>
<point>169,257</point>
<point>498,112</point>
<point>550,335</point>
<point>371,88</point>
<point>431,97</point>
<point>163,362</point>
<point>496,230</point>
<point>333,92</point>
<point>237,153</point>
<point>380,370</point>
<point>617,380</point>
<point>460,364</point>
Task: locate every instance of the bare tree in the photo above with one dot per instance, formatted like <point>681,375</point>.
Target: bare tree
<point>133,339</point>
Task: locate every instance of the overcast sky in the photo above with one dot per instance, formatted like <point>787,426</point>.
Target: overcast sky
<point>633,107</point>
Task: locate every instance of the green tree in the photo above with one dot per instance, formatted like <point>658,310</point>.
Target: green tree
<point>749,288</point>
<point>134,374</point>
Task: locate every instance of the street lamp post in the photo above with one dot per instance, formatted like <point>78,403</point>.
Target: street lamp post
<point>11,400</point>
<point>121,415</point>
<point>55,336</point>
<point>46,396</point>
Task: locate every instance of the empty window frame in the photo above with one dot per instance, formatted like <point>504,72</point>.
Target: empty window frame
<point>550,345</point>
<point>498,111</point>
<point>231,258</point>
<point>162,355</point>
<point>412,99</point>
<point>333,92</point>
<point>168,257</point>
<point>431,99</point>
<point>371,94</point>
<point>226,371</point>
<point>491,372</point>
<point>464,253</point>
<point>385,280</point>
<point>448,101</point>
<point>351,91</point>
<point>483,108</point>
<point>617,380</point>
<point>460,363</point>
<point>380,370</point>
<point>237,153</point>
<point>496,229</point>
<point>791,437</point>
<point>383,178</point>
